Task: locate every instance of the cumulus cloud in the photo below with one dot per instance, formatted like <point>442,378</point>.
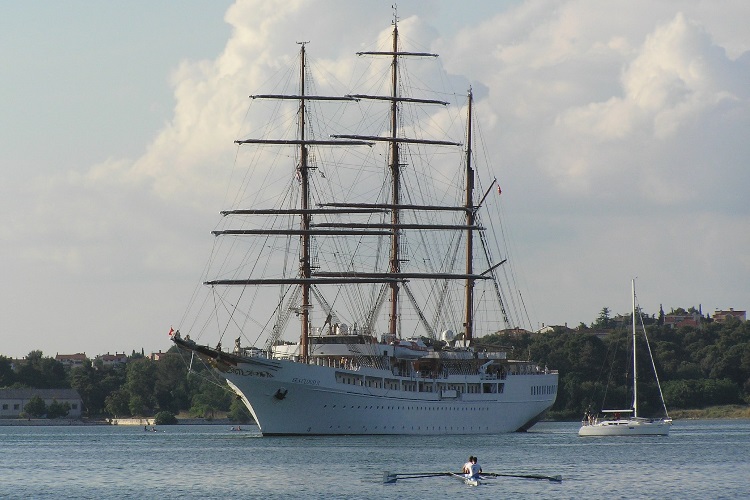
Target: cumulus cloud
<point>618,131</point>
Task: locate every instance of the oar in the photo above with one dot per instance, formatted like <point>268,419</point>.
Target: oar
<point>389,477</point>
<point>556,479</point>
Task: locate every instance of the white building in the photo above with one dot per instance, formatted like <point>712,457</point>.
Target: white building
<point>12,401</point>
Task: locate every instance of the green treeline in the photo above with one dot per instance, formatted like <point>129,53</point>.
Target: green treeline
<point>139,388</point>
<point>697,366</point>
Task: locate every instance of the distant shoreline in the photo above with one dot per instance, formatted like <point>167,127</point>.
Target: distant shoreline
<point>713,412</point>
<point>728,412</point>
<point>65,422</point>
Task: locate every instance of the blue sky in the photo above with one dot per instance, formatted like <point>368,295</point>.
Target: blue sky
<point>619,129</point>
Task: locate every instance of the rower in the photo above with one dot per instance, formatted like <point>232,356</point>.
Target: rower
<point>475,468</point>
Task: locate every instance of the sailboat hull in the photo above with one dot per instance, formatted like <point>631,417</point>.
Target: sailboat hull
<point>627,427</point>
<point>291,398</point>
<point>633,425</point>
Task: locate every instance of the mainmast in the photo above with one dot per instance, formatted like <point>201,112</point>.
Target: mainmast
<point>395,165</point>
<point>470,221</point>
<point>395,259</point>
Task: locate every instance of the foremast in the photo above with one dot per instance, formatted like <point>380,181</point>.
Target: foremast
<point>305,278</point>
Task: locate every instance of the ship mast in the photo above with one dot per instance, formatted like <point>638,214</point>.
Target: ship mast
<point>395,258</point>
<point>306,276</point>
<point>635,365</point>
<point>306,230</point>
<point>470,221</point>
<point>395,165</point>
<point>305,270</point>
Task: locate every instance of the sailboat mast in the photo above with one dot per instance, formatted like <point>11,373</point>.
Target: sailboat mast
<point>470,221</point>
<point>305,217</point>
<point>635,375</point>
<point>395,264</point>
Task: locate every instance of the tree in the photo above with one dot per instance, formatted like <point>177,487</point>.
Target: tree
<point>116,404</point>
<point>35,408</point>
<point>165,418</point>
<point>7,377</point>
<point>604,320</point>
<point>661,315</point>
<point>171,388</point>
<point>57,410</point>
<point>137,406</point>
<point>139,383</point>
<point>211,398</point>
<point>238,412</point>
<point>88,382</point>
<point>41,373</point>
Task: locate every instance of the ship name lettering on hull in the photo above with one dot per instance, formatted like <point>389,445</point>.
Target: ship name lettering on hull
<point>305,381</point>
<point>250,373</point>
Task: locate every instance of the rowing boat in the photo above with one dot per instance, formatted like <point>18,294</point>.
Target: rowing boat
<point>471,481</point>
<point>392,477</point>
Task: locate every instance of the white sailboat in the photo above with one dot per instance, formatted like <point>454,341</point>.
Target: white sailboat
<point>369,378</point>
<point>626,422</point>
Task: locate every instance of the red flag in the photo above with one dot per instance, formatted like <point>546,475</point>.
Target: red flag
<point>171,331</point>
<point>499,191</point>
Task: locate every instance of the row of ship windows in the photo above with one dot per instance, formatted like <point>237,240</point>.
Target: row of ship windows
<point>378,383</point>
<point>538,390</point>
<point>418,428</point>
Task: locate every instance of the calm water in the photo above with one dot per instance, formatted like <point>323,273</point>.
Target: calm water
<point>700,459</point>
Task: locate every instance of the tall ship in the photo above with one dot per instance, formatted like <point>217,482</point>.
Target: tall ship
<point>378,241</point>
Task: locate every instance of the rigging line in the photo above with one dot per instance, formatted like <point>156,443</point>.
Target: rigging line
<point>346,265</point>
<point>214,380</point>
<point>480,145</point>
<point>442,312</point>
<point>198,287</point>
<point>653,363</point>
<point>439,293</point>
<point>252,300</point>
<point>216,312</point>
<point>231,314</point>
<point>282,318</point>
<point>523,304</point>
<point>429,328</point>
<point>498,292</point>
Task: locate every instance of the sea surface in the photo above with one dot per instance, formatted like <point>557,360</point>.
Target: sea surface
<point>699,459</point>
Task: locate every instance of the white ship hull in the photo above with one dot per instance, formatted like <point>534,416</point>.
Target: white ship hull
<point>290,398</point>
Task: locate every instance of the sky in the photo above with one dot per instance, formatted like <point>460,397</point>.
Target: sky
<point>618,130</point>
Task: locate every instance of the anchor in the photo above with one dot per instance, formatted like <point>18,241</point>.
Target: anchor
<point>280,394</point>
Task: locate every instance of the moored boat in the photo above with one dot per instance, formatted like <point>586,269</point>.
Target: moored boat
<point>612,422</point>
